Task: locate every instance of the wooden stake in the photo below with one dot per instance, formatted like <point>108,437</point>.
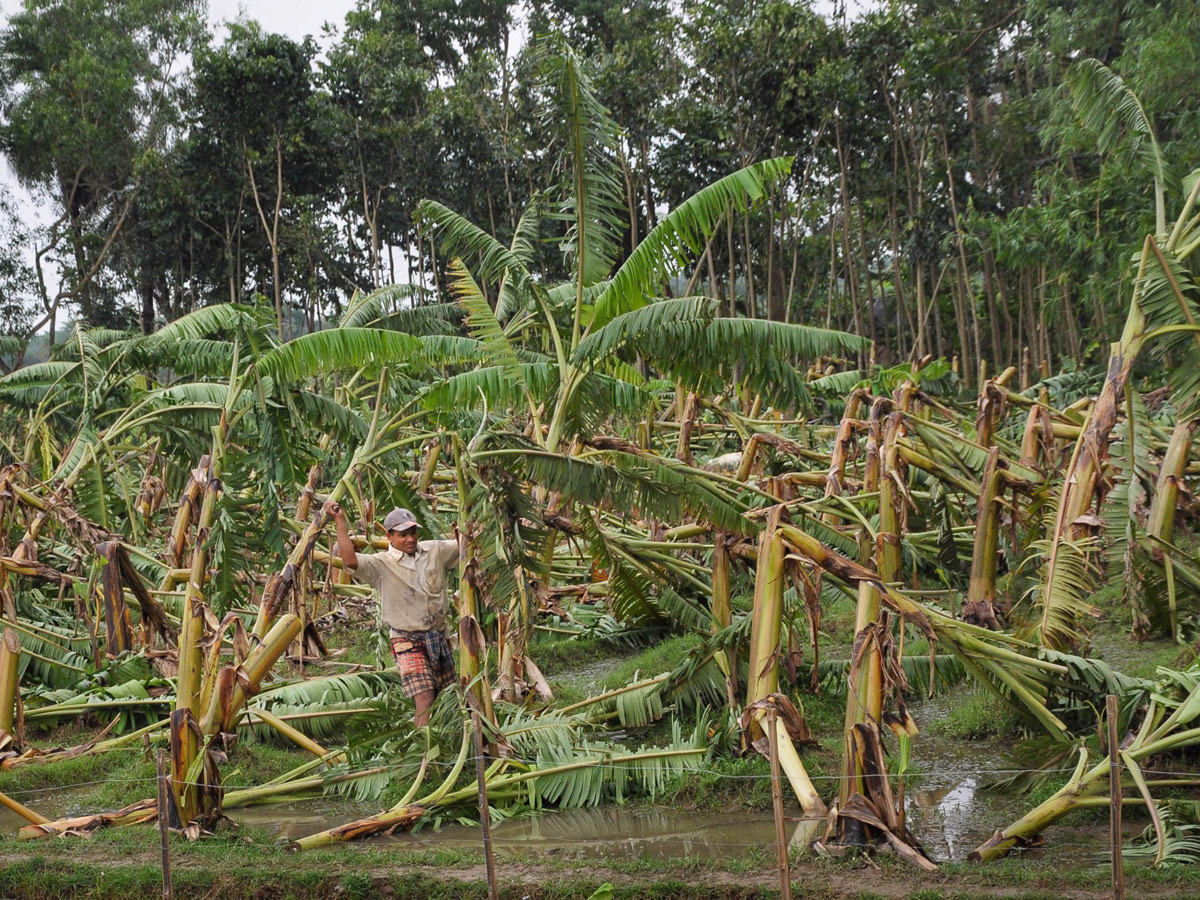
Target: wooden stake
<point>1114,781</point>
<point>168,891</point>
<point>785,877</point>
<point>484,816</point>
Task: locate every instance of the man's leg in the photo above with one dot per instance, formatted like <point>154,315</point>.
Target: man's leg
<point>424,700</point>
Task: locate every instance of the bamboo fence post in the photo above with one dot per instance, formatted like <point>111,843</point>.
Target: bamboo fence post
<point>1114,793</point>
<point>168,888</point>
<point>785,877</point>
<point>485,818</point>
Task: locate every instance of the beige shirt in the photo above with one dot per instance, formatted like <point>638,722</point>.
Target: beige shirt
<point>412,589</point>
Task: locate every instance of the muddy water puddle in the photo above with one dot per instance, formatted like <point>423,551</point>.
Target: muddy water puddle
<point>946,802</point>
<point>613,832</point>
<point>602,833</point>
<point>949,822</point>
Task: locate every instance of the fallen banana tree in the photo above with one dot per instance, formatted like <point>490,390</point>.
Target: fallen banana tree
<point>576,777</point>
<point>1169,723</point>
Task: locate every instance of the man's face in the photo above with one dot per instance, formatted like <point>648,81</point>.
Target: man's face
<point>405,541</point>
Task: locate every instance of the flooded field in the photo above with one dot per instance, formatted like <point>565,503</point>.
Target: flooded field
<point>948,806</point>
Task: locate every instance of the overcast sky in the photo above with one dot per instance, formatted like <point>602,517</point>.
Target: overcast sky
<point>295,18</point>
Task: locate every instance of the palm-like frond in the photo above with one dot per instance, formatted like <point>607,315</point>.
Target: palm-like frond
<point>481,321</point>
<point>493,384</point>
<point>1067,584</point>
<point>449,350</point>
<point>1107,107</point>
<point>766,352</point>
<point>188,357</point>
<point>586,137</point>
<point>1130,458</point>
<point>533,736</point>
<point>399,304</point>
<point>681,234</point>
<point>1180,845</point>
<point>328,415</point>
<point>1169,297</point>
<point>48,372</point>
<point>650,323</point>
<point>838,384</point>
<point>590,774</point>
<point>222,318</point>
<point>631,485</point>
<point>460,237</point>
<point>524,248</point>
<point>336,349</point>
<point>794,343</point>
<point>10,345</point>
<point>600,397</point>
<point>329,693</point>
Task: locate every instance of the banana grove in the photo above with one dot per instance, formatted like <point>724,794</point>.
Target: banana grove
<point>618,457</point>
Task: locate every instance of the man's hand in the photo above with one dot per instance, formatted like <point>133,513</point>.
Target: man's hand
<point>345,546</point>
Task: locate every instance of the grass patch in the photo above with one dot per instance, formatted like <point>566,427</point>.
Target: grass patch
<point>978,716</point>
<point>552,653</point>
<point>257,762</point>
<point>662,657</point>
<point>722,783</point>
<point>359,640</point>
<point>825,713</point>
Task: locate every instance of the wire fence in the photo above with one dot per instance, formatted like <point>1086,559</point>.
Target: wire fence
<point>957,775</point>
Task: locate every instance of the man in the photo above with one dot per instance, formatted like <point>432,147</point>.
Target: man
<point>410,577</point>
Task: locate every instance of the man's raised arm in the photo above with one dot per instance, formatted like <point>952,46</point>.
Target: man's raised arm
<point>345,546</point>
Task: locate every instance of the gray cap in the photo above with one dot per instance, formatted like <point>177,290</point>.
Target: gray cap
<point>399,520</point>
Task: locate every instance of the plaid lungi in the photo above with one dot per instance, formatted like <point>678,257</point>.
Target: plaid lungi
<point>424,659</point>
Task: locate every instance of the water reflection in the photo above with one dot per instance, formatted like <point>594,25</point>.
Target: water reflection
<point>951,820</point>
<point>633,833</point>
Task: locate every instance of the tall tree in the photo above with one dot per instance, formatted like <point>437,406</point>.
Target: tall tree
<point>256,92</point>
<point>88,88</point>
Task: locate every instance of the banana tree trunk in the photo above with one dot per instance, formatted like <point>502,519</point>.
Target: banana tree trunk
<point>842,445</point>
<point>10,656</point>
<point>722,614</point>
<point>236,684</point>
<point>763,678</point>
<point>864,702</point>
<point>992,401</point>
<point>980,608</point>
<point>283,584</point>
<point>472,651</point>
<point>183,518</point>
<point>185,737</point>
<point>118,634</point>
<point>683,448</point>
<point>1083,475</point>
<point>513,638</point>
<point>1160,524</point>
